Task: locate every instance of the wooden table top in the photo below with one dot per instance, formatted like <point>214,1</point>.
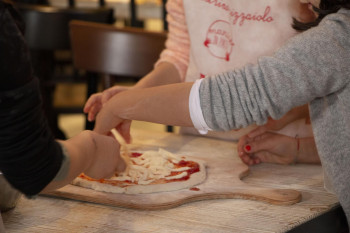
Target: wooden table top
<point>48,214</point>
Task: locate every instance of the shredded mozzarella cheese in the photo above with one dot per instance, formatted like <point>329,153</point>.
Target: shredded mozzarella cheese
<point>152,165</point>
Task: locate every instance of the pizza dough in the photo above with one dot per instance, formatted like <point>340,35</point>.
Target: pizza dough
<point>150,172</point>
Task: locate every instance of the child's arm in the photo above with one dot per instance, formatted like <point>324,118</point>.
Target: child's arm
<point>294,114</point>
<point>170,68</point>
<point>164,73</point>
<point>239,98</point>
<point>165,105</point>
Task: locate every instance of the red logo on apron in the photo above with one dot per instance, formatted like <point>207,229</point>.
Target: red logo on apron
<point>219,40</point>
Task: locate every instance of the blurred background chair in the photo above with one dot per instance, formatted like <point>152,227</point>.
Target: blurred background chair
<point>135,22</point>
<point>107,53</point>
<point>47,36</point>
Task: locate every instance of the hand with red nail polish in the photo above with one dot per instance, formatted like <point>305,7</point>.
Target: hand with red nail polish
<point>269,148</point>
<point>276,148</point>
<point>243,147</point>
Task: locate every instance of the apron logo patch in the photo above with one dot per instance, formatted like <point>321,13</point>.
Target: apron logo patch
<point>219,39</point>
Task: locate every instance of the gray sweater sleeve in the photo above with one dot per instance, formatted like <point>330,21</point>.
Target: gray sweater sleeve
<point>311,65</point>
<point>313,68</point>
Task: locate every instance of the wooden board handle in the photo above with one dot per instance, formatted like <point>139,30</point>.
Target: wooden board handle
<point>269,195</point>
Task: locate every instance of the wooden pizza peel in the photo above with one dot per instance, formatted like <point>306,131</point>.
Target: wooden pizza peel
<point>224,173</point>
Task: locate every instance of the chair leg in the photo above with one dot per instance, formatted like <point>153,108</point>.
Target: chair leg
<point>169,128</point>
<point>51,114</point>
<point>92,82</point>
<point>165,23</point>
<point>43,64</point>
<point>89,125</point>
<point>134,22</point>
<point>107,81</point>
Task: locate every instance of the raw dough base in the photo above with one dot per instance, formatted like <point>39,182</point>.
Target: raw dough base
<point>195,179</point>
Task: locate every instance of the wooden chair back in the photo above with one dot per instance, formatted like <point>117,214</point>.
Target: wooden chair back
<point>102,48</point>
<point>121,52</point>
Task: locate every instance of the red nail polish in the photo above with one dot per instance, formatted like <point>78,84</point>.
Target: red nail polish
<point>247,147</point>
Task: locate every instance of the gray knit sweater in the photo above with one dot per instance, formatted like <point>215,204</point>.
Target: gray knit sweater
<point>314,68</point>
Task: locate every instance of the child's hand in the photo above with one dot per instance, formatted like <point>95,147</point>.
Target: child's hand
<point>106,120</point>
<point>94,104</point>
<point>124,130</point>
<point>103,123</point>
<point>268,148</point>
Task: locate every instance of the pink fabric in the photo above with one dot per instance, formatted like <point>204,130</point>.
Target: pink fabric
<point>178,42</point>
<point>207,37</point>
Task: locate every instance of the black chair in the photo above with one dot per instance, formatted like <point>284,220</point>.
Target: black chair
<point>47,26</point>
<point>101,3</point>
<point>47,31</point>
<point>165,23</point>
<point>134,22</point>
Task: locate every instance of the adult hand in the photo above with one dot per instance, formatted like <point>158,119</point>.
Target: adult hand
<point>94,104</point>
<point>106,157</point>
<point>98,156</point>
<point>245,157</point>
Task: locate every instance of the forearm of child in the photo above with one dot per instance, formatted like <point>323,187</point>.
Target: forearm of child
<point>165,105</point>
<point>168,105</point>
<point>294,114</point>
<point>299,113</point>
<point>164,73</point>
<point>307,151</point>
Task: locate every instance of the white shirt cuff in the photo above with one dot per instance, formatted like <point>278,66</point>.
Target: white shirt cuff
<point>196,110</point>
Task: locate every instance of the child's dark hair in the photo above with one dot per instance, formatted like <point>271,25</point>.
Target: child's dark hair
<point>326,7</point>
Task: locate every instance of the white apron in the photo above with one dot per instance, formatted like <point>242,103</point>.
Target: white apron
<point>227,34</point>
